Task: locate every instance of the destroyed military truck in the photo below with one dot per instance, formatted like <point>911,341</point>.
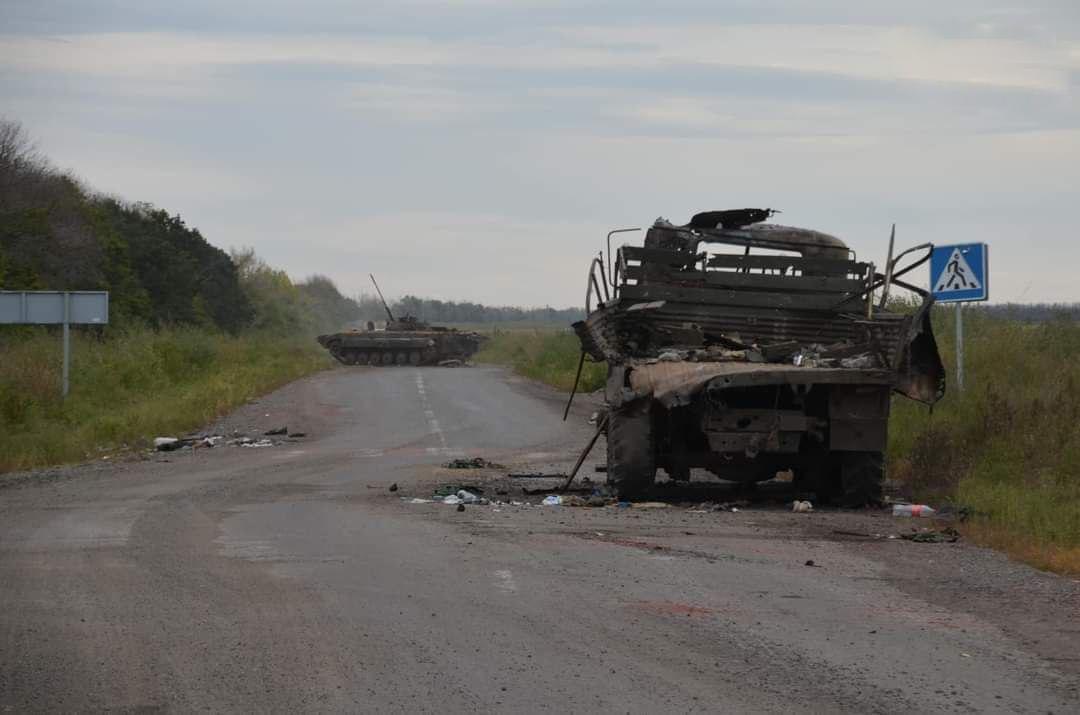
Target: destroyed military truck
<point>747,348</point>
<point>407,341</point>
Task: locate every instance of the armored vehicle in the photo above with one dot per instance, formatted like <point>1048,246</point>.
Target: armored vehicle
<point>407,341</point>
<point>747,348</point>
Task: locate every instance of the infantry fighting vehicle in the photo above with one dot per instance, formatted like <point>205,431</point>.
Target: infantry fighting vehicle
<point>747,348</point>
<point>407,341</point>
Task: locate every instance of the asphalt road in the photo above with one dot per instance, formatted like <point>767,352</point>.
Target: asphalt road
<point>291,579</point>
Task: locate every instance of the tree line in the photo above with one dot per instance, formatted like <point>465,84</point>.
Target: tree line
<point>56,234</point>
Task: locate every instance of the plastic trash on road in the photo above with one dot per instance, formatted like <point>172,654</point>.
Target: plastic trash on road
<point>912,510</point>
<point>467,497</point>
<point>552,500</point>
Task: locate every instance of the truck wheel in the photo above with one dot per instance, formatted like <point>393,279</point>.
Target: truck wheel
<point>631,451</point>
<point>861,477</point>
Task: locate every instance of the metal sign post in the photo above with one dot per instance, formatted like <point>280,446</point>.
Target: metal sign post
<point>960,274</point>
<point>55,308</point>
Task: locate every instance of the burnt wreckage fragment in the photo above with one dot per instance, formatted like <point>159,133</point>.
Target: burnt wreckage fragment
<point>747,348</point>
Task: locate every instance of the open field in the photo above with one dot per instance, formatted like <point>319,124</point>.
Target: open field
<point>133,387</point>
<point>1007,448</point>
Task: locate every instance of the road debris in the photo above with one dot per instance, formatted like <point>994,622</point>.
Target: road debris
<point>275,432</point>
<point>552,500</point>
<point>948,535</point>
<point>166,444</point>
<point>474,463</point>
<point>912,510</point>
<point>394,487</point>
<point>801,507</point>
<point>463,497</point>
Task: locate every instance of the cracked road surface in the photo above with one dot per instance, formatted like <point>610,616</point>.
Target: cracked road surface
<point>290,579</point>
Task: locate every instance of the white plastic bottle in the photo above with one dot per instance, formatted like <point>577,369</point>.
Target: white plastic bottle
<point>912,510</point>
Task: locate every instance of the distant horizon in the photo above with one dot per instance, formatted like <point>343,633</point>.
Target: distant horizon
<point>483,150</point>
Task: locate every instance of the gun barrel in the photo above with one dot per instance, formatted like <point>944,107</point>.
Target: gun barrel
<point>384,305</point>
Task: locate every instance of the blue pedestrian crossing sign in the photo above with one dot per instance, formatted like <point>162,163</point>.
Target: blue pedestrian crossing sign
<point>960,273</point>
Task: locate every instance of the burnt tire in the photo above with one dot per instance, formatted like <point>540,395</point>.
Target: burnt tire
<point>631,450</point>
<point>861,477</point>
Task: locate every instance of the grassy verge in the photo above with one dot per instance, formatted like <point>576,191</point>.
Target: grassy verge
<point>550,356</point>
<point>1008,448</point>
<point>130,388</point>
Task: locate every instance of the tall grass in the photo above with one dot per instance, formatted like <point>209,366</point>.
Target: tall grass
<point>131,387</point>
<point>550,356</point>
<point>1007,447</point>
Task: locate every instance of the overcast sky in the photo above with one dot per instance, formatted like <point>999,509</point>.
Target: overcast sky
<point>481,149</point>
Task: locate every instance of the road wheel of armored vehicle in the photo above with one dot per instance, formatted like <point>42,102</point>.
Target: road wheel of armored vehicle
<point>362,358</point>
<point>631,450</point>
<point>861,477</point>
<point>402,358</point>
<point>387,359</point>
<point>414,358</point>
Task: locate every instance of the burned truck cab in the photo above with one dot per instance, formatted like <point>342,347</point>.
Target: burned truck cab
<point>747,348</point>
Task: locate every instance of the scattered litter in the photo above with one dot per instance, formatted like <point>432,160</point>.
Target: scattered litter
<point>451,499</point>
<point>721,506</point>
<point>259,444</point>
<point>474,463</point>
<point>552,500</point>
<point>536,491</point>
<point>651,505</point>
<point>948,535</point>
<point>276,432</point>
<point>453,489</point>
<point>468,497</point>
<point>166,444</point>
<point>802,507</point>
<point>393,487</point>
<point>418,500</point>
<point>912,510</point>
